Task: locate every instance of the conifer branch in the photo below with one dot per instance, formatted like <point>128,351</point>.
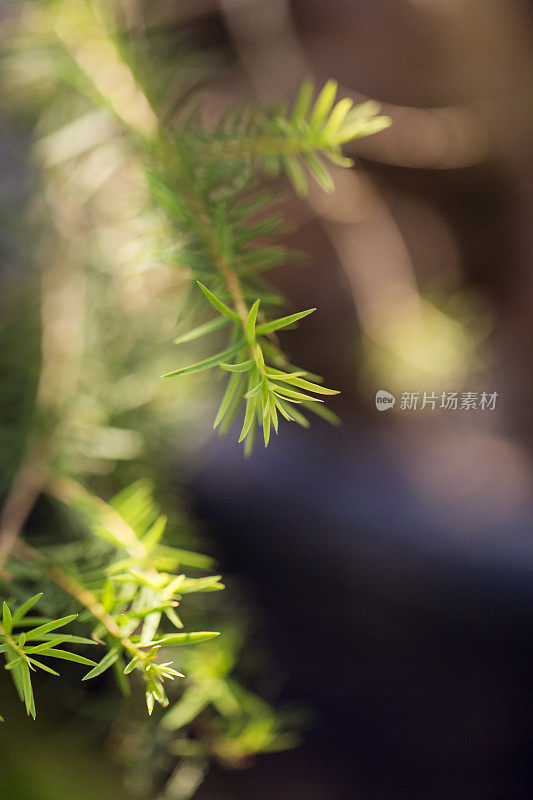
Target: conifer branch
<point>276,142</point>
<point>220,261</point>
<point>149,590</point>
<point>84,597</point>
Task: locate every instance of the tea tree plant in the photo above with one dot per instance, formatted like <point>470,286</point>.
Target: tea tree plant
<point>125,587</point>
<point>106,583</point>
<point>210,187</point>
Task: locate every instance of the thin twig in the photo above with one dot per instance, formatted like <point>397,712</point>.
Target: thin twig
<point>230,276</point>
<point>208,233</point>
<point>25,489</point>
<point>230,146</point>
<point>71,493</point>
<point>86,598</point>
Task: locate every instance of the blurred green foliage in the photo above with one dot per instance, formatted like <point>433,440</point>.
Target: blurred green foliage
<point>126,197</point>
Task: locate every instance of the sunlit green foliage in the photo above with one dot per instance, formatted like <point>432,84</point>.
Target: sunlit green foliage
<point>280,142</point>
<point>127,587</point>
<point>20,648</point>
<point>208,186</point>
<point>265,389</point>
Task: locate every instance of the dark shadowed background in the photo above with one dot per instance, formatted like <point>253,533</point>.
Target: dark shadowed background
<point>392,558</point>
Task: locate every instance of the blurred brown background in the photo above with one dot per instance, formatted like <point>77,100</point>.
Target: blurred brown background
<point>393,557</point>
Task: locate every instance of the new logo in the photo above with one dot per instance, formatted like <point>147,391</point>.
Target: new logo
<point>384,400</point>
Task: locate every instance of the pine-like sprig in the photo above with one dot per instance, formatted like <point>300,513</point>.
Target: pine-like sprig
<point>39,638</point>
<point>210,183</point>
<point>265,389</point>
<point>128,591</point>
<point>279,142</point>
<point>209,187</point>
